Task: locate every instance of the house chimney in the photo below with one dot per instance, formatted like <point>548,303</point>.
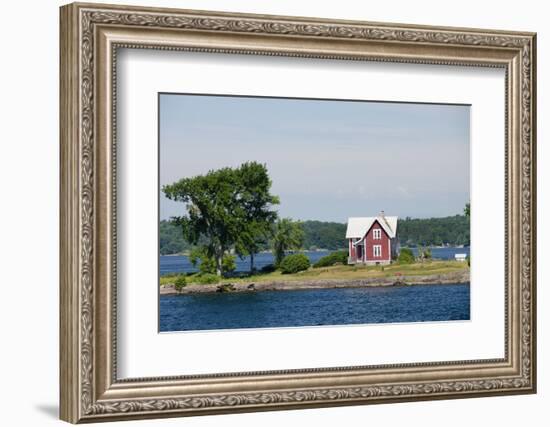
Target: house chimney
<point>382,214</point>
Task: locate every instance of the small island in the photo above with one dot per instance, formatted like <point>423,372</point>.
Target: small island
<point>214,240</point>
<point>338,276</point>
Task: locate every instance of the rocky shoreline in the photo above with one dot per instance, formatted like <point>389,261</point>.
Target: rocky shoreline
<point>433,279</point>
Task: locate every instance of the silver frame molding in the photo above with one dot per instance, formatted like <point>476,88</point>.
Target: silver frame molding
<point>90,37</point>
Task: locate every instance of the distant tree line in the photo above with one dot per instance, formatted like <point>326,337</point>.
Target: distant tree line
<point>324,235</point>
<point>171,239</point>
<point>452,230</point>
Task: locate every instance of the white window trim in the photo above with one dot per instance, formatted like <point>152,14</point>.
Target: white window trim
<point>377,250</point>
<point>377,234</point>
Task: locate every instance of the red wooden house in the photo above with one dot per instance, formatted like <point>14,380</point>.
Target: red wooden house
<point>372,240</point>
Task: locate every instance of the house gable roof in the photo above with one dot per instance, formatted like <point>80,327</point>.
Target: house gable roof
<point>358,226</point>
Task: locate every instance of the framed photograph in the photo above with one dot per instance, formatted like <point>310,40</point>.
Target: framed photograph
<point>266,212</point>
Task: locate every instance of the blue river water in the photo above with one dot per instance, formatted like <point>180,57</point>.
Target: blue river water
<point>181,264</point>
<point>315,307</point>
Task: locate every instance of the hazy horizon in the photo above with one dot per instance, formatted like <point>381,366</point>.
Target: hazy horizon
<point>328,159</point>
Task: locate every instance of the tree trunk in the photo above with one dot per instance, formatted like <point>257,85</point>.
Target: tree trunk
<point>251,262</point>
<point>219,259</point>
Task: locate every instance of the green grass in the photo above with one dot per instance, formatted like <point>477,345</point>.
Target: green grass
<point>169,279</point>
<point>345,272</point>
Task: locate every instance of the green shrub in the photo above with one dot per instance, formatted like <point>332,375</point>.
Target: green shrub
<point>406,256</point>
<point>294,263</point>
<point>199,258</point>
<point>228,263</point>
<point>331,259</point>
<point>207,265</point>
<point>180,283</point>
<point>207,279</point>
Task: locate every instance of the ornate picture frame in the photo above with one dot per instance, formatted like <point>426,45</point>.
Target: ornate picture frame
<point>90,37</point>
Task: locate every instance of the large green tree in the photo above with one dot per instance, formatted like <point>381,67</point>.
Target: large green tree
<point>287,235</point>
<point>221,205</point>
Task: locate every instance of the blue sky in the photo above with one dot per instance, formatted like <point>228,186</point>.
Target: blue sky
<point>328,160</point>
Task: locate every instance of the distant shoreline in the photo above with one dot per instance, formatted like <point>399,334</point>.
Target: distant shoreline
<point>260,286</point>
<point>186,253</point>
